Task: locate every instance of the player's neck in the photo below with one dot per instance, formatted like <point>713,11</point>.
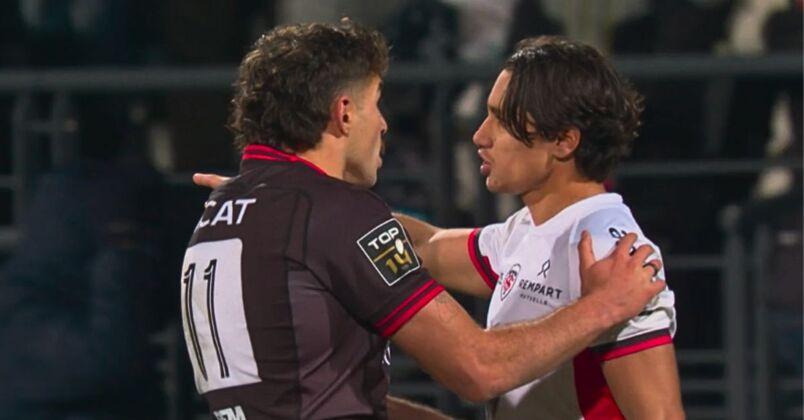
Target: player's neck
<point>328,156</point>
<point>555,195</point>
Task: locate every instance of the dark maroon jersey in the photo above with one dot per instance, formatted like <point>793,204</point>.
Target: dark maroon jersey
<point>291,285</point>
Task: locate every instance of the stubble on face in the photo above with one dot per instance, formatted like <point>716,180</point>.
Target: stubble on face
<point>365,144</point>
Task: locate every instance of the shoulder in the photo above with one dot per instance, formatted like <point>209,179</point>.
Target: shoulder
<point>341,211</point>
<point>607,226</point>
<point>612,221</point>
<point>335,198</point>
<point>326,196</point>
<point>504,230</point>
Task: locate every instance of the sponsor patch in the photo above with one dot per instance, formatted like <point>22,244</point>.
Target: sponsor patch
<point>388,249</point>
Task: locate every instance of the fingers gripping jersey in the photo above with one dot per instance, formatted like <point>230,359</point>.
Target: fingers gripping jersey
<point>291,284</point>
<point>537,270</point>
<point>607,227</point>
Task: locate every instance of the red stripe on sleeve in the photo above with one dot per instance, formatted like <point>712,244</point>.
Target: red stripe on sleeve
<point>636,347</point>
<point>473,253</point>
<point>404,303</point>
<point>392,328</point>
<point>594,396</point>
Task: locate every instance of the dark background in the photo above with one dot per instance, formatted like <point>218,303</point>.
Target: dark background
<point>107,107</point>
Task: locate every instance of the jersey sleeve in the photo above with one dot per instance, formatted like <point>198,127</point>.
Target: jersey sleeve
<point>656,324</point>
<point>484,248</point>
<point>368,264</point>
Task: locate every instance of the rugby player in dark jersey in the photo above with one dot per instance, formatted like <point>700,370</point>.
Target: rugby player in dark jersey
<point>297,275</point>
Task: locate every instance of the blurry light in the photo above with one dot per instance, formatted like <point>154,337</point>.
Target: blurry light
<point>138,113</point>
<point>70,125</point>
<point>788,237</point>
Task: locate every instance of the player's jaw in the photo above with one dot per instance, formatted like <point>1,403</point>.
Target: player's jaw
<point>361,168</point>
<point>503,162</point>
<point>364,153</point>
<point>493,170</point>
<point>373,161</point>
<point>511,167</point>
<point>497,176</point>
<point>364,157</point>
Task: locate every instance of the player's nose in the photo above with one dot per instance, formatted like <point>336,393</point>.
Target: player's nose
<point>383,125</point>
<point>481,138</point>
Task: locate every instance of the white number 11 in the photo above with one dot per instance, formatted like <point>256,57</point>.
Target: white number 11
<point>214,316</point>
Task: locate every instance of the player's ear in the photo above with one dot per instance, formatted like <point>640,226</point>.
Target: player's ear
<point>340,115</point>
<point>566,144</point>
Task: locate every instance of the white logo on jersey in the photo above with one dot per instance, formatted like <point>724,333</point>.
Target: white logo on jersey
<point>226,212</point>
<point>509,280</point>
<point>385,237</point>
<point>545,269</point>
<point>388,249</point>
<point>231,413</point>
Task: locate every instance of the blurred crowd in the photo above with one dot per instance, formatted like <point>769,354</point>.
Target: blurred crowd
<point>92,279</point>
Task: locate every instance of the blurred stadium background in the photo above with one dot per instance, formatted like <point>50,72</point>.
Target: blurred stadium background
<point>107,107</point>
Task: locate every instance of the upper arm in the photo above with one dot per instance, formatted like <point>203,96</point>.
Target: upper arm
<point>638,359</point>
<point>368,264</point>
<point>645,384</point>
<point>606,228</point>
<point>452,257</point>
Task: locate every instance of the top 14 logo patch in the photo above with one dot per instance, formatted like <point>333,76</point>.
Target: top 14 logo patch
<point>388,249</point>
<point>509,280</point>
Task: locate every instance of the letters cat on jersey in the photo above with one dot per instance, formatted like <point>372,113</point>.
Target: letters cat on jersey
<point>226,213</point>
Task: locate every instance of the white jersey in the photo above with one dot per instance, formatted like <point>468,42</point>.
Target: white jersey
<point>533,271</point>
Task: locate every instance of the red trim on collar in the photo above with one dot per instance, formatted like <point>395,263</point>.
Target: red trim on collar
<point>262,152</point>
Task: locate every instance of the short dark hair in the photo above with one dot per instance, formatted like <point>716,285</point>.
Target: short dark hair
<point>557,84</point>
<point>287,82</point>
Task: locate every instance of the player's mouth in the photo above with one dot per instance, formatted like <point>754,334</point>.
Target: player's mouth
<point>485,164</point>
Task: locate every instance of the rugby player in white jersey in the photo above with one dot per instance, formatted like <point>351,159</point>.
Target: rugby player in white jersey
<point>559,120</point>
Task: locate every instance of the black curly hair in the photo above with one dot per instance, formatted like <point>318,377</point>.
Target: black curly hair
<point>557,84</point>
<point>287,82</point>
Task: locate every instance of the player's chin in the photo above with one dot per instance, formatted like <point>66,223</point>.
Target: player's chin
<point>369,180</point>
<point>497,186</point>
<point>493,186</point>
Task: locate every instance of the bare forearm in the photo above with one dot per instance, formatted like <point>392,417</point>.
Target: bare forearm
<point>444,254</point>
<point>399,409</point>
<point>480,364</point>
<point>420,231</point>
<point>523,352</point>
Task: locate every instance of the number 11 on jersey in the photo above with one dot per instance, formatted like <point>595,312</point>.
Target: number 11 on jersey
<point>213,317</point>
